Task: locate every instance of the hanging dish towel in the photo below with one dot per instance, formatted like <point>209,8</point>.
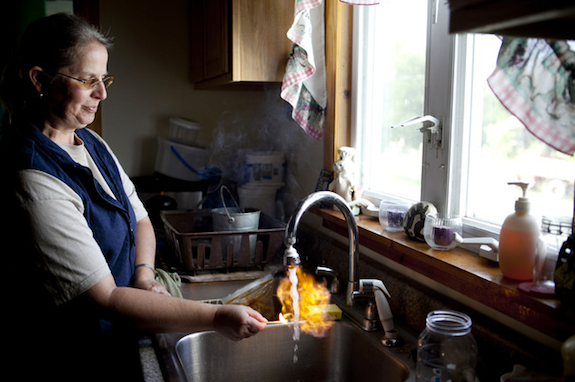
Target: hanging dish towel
<point>304,86</point>
<point>534,80</point>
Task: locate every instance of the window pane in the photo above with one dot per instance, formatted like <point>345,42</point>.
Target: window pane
<point>391,85</point>
<point>503,150</point>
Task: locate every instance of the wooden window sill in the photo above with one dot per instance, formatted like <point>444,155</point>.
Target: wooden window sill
<point>463,271</point>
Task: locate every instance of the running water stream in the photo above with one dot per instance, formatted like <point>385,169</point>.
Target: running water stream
<point>295,300</point>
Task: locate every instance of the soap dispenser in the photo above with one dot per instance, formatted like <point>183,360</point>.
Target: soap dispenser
<point>518,240</point>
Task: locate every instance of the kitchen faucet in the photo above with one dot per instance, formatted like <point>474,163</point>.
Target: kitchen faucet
<point>371,288</point>
<point>292,257</point>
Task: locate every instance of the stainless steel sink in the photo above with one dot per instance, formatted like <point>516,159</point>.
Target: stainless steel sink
<point>345,354</point>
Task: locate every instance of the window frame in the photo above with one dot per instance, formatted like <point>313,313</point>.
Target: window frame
<point>437,173</point>
<point>443,179</point>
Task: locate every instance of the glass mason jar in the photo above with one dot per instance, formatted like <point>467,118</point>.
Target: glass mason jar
<point>446,348</point>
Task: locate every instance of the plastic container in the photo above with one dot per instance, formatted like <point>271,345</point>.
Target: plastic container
<point>259,195</point>
<point>172,164</point>
<point>446,349</point>
<point>392,215</point>
<point>438,231</point>
<point>265,166</point>
<point>183,131</point>
<point>518,240</point>
<point>554,231</point>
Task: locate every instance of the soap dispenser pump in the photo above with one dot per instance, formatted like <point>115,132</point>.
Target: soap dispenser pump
<point>518,240</point>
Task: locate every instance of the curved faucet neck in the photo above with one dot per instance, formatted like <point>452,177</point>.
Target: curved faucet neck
<point>341,204</point>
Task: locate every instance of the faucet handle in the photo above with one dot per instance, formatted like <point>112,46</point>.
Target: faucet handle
<point>383,308</point>
<point>371,285</point>
<point>321,270</point>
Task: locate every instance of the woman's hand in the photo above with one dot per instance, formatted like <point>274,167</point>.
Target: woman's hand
<point>144,278</point>
<point>237,322</point>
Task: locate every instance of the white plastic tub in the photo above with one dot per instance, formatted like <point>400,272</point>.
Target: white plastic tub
<point>171,164</point>
<point>265,166</point>
<point>261,196</point>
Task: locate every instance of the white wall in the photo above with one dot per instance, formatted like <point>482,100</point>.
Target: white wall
<point>149,62</point>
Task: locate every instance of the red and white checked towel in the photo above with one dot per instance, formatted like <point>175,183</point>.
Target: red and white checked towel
<point>304,85</point>
<point>535,81</point>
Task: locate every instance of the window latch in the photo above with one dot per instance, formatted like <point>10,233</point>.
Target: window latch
<point>431,125</point>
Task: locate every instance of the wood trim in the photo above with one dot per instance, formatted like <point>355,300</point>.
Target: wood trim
<point>463,271</point>
<point>90,10</point>
<point>338,44</point>
<point>527,18</point>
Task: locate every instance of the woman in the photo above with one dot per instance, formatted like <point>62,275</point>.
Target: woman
<point>83,264</point>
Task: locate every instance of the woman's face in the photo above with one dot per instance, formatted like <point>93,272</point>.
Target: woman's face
<point>70,105</point>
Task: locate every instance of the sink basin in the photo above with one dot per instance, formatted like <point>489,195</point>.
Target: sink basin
<point>345,354</point>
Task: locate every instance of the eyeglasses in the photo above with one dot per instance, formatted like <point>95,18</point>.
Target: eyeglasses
<point>90,83</point>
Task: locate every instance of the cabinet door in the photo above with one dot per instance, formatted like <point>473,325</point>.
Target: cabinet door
<point>260,45</point>
<point>197,41</point>
<point>217,38</point>
<point>209,39</point>
<point>239,40</point>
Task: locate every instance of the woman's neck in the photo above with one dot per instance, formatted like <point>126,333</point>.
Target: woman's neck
<point>58,134</point>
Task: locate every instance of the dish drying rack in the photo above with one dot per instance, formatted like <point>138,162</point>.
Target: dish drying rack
<point>197,247</point>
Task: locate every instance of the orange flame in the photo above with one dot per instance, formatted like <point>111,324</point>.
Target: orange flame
<point>313,300</point>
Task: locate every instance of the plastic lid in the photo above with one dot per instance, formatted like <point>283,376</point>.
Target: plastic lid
<point>176,122</point>
<point>522,205</point>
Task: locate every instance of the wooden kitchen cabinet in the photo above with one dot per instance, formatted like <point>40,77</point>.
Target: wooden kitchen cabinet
<point>523,18</point>
<point>239,41</point>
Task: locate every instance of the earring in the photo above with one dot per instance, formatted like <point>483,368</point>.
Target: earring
<point>41,95</point>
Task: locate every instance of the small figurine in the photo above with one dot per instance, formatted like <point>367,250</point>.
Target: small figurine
<point>344,169</point>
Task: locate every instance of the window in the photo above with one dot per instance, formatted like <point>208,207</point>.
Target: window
<point>500,149</point>
<point>407,65</point>
<point>392,89</point>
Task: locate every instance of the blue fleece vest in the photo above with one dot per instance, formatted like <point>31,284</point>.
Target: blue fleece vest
<point>112,221</point>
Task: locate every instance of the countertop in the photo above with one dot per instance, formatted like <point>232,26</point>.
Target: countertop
<point>151,369</point>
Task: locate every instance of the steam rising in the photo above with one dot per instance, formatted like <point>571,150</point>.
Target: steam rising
<point>267,127</point>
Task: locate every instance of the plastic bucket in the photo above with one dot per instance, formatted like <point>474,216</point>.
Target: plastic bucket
<point>262,197</point>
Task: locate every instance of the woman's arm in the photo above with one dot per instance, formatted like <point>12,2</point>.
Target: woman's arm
<point>144,277</point>
<point>155,312</point>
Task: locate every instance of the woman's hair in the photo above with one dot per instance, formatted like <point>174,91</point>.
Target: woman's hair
<point>52,43</point>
